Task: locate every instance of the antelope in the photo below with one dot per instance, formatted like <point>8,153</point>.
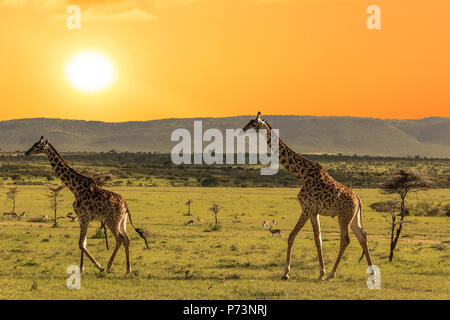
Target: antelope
<point>12,214</point>
<point>71,216</point>
<point>189,223</point>
<point>275,231</point>
<point>266,223</point>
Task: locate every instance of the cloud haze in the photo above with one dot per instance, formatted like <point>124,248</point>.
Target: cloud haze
<point>92,9</point>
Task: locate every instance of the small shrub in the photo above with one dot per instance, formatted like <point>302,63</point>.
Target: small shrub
<point>429,209</point>
<point>34,286</point>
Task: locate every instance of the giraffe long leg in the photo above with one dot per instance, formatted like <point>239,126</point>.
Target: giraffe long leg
<point>318,239</point>
<point>82,239</point>
<point>82,254</point>
<point>126,242</point>
<point>103,226</point>
<point>301,222</point>
<point>361,235</point>
<point>119,241</point>
<point>82,243</point>
<point>344,224</point>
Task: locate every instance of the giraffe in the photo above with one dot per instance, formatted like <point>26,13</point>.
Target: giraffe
<point>91,203</point>
<point>319,194</point>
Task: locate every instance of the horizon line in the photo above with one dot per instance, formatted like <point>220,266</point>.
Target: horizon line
<point>224,117</point>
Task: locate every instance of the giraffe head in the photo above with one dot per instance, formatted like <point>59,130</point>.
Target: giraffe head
<point>256,123</point>
<point>38,147</point>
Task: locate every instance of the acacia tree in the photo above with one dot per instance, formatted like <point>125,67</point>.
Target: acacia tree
<point>11,195</point>
<point>188,203</point>
<point>215,209</point>
<point>54,196</point>
<point>400,183</point>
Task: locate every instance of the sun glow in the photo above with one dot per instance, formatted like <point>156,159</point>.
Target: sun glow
<point>90,72</point>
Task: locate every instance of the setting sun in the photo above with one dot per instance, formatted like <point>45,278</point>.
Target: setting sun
<point>90,71</point>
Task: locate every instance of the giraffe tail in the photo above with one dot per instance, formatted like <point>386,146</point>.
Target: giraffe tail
<point>360,258</point>
<point>360,220</point>
<point>142,233</point>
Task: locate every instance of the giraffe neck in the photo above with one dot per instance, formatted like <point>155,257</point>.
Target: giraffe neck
<point>74,181</point>
<point>297,165</point>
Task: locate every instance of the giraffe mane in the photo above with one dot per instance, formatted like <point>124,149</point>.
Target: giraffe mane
<point>65,163</point>
<point>57,153</point>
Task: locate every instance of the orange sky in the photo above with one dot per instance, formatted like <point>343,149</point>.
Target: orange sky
<point>199,58</point>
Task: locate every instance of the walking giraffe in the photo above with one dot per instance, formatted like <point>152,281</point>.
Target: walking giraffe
<point>91,203</point>
<point>319,194</point>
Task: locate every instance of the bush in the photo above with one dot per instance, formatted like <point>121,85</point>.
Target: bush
<point>385,206</point>
<point>429,209</point>
<point>421,208</point>
<point>209,182</point>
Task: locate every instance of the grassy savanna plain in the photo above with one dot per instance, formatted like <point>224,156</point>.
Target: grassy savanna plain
<point>239,261</point>
<point>157,170</point>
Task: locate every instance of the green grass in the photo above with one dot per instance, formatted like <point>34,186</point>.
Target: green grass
<point>240,261</point>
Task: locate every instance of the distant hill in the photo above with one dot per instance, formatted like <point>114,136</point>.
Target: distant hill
<point>306,134</point>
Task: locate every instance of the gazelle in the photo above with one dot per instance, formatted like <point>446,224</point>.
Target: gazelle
<point>72,216</point>
<point>192,222</point>
<point>13,214</point>
<point>266,223</point>
<point>275,231</point>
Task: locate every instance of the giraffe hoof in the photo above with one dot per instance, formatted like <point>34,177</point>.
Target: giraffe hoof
<point>285,277</point>
<point>330,277</point>
<point>101,269</point>
<point>321,277</point>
